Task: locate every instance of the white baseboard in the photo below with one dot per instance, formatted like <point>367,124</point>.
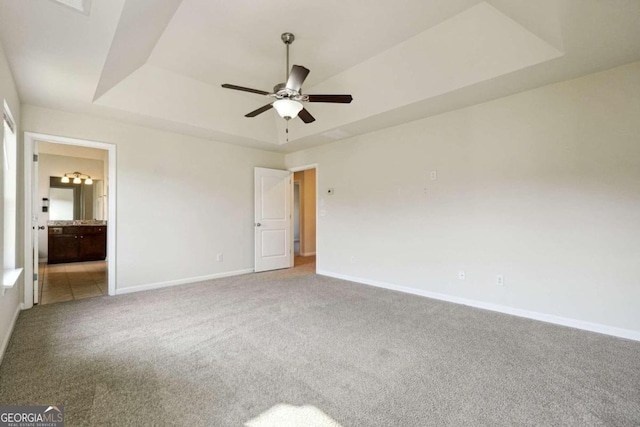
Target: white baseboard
<point>186,281</point>
<point>549,318</point>
<point>5,340</point>
<point>307,253</point>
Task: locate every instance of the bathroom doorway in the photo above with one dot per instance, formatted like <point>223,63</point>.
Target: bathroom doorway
<point>72,226</point>
<point>71,191</point>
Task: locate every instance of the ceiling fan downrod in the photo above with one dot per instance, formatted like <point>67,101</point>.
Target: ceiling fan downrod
<point>287,39</point>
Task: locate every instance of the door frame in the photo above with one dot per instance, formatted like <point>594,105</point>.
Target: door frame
<point>31,218</point>
<point>299,169</point>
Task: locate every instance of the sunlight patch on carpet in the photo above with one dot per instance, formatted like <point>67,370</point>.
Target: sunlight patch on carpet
<point>283,415</point>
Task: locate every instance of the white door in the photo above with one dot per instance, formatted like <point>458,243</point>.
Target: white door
<point>36,207</point>
<point>273,193</point>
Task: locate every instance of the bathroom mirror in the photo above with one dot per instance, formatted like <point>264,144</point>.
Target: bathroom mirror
<point>69,201</point>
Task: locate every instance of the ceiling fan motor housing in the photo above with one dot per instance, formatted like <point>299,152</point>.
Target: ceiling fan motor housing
<point>280,86</point>
<point>280,91</point>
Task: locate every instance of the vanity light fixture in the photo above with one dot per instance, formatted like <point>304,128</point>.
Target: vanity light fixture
<point>77,178</point>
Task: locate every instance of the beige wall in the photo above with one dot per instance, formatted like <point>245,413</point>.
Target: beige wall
<point>542,187</point>
<point>307,181</point>
<point>181,200</point>
<point>10,301</point>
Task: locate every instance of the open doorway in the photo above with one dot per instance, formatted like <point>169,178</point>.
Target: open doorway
<point>70,212</point>
<point>72,225</point>
<point>304,210</point>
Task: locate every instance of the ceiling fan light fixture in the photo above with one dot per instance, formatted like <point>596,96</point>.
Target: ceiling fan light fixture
<point>287,109</point>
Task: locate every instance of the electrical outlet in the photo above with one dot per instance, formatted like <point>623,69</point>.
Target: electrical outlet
<point>500,280</point>
<point>220,257</point>
<point>461,275</point>
<point>434,175</point>
<point>353,260</point>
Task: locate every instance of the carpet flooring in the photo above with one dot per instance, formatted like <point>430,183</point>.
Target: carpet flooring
<point>244,350</point>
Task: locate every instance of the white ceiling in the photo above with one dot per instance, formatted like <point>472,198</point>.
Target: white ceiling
<point>160,63</point>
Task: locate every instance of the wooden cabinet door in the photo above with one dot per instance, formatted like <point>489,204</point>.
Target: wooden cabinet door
<point>93,246</point>
<point>63,248</point>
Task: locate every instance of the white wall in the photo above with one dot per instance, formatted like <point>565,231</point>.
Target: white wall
<point>542,187</point>
<point>10,301</point>
<point>181,200</point>
<point>54,165</point>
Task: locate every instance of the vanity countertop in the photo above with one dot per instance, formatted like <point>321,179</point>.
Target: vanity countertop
<point>84,222</point>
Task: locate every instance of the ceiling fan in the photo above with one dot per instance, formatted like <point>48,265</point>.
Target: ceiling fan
<point>288,96</point>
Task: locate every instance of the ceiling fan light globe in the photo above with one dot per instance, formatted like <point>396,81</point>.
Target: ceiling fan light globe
<point>287,109</point>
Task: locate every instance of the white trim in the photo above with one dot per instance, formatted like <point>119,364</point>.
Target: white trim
<point>29,140</point>
<point>307,253</point>
<point>177,282</point>
<point>5,341</point>
<point>9,118</point>
<point>549,318</point>
<point>10,278</point>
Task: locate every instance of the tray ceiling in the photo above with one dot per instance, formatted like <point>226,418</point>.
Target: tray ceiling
<point>160,63</point>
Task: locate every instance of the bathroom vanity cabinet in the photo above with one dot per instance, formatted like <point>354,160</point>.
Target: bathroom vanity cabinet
<point>77,243</point>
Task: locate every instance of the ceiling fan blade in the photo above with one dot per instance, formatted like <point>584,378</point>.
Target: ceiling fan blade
<point>259,110</point>
<point>342,99</point>
<point>296,78</point>
<point>245,89</point>
<point>306,116</point>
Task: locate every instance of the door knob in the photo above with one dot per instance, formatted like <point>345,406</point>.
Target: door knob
<point>41,227</point>
<point>258,224</point>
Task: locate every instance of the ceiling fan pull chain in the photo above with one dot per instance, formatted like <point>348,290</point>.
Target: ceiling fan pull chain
<point>287,130</point>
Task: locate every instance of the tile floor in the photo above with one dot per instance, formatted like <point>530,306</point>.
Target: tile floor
<point>71,281</point>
